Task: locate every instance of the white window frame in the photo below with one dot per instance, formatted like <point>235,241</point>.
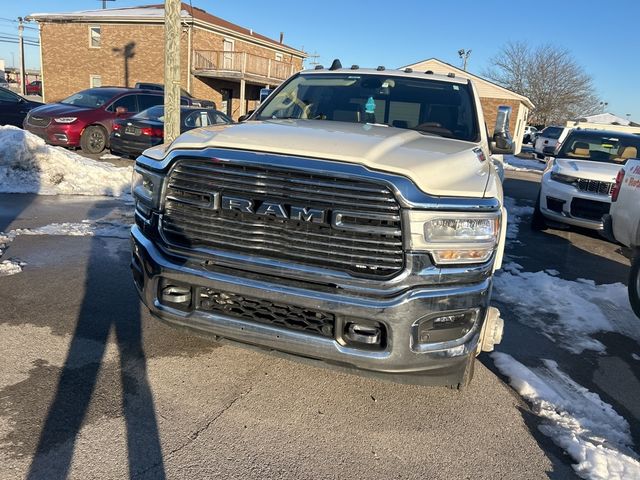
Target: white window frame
<point>99,27</point>
<point>92,78</point>
<point>279,57</point>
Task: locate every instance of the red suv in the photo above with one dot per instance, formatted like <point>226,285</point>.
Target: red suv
<point>86,118</point>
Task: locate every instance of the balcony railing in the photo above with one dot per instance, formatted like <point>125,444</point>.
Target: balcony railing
<point>241,64</point>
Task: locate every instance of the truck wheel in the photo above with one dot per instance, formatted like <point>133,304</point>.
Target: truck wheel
<point>538,222</point>
<point>467,377</point>
<point>94,139</point>
<point>634,285</point>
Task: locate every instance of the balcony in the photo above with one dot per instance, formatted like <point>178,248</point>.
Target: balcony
<point>236,66</point>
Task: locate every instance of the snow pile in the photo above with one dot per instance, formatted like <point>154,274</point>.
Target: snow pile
<point>82,229</point>
<point>515,214</point>
<point>577,420</point>
<point>29,165</point>
<point>566,311</point>
<point>515,164</point>
<point>10,267</point>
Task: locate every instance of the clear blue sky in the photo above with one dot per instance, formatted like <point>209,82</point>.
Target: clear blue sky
<point>602,36</point>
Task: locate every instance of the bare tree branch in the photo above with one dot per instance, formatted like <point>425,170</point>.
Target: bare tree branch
<point>557,85</point>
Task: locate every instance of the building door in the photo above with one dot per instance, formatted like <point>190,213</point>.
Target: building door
<point>227,56</point>
<point>227,101</point>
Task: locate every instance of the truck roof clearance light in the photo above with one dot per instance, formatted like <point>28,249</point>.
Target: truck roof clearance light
<point>455,238</point>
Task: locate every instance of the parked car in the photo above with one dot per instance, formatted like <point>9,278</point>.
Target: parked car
<point>14,108</point>
<point>623,223</point>
<point>308,228</point>
<point>3,82</point>
<point>577,184</point>
<point>196,102</point>
<point>529,134</point>
<point>130,137</point>
<point>34,88</point>
<point>547,140</point>
<point>85,119</point>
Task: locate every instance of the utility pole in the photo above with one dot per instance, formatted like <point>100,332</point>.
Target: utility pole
<point>21,52</point>
<point>104,3</point>
<point>171,70</point>
<point>464,55</point>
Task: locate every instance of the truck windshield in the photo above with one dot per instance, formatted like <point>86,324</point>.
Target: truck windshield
<point>600,147</point>
<point>426,105</point>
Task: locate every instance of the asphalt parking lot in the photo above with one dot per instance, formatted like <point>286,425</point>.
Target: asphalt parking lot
<point>92,387</point>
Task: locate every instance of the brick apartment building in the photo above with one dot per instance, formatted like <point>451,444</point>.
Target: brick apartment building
<point>220,61</point>
<point>491,97</point>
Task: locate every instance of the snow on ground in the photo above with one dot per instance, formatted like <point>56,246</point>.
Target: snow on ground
<point>29,165</point>
<point>108,226</point>
<point>516,164</point>
<point>576,419</point>
<point>109,156</point>
<point>514,217</point>
<point>566,311</point>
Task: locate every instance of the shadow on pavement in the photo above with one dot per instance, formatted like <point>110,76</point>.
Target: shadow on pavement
<point>101,312</point>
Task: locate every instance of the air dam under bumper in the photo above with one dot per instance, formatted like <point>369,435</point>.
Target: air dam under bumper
<point>398,359</point>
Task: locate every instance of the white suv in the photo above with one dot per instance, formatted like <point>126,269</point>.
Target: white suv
<point>576,185</point>
<point>548,139</point>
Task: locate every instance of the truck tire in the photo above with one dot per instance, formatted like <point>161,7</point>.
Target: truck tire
<point>538,222</point>
<point>93,139</point>
<point>634,285</point>
<point>465,381</point>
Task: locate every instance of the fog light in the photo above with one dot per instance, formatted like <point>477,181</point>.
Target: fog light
<point>364,334</point>
<point>444,328</point>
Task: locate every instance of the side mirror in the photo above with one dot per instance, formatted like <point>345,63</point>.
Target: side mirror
<point>502,142</point>
<point>120,111</point>
<point>245,117</point>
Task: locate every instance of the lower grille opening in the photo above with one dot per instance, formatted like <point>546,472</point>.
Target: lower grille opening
<point>589,209</point>
<point>263,311</point>
<point>555,205</point>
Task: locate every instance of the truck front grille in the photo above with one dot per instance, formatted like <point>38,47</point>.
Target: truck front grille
<point>594,186</point>
<point>192,218</point>
<point>266,312</point>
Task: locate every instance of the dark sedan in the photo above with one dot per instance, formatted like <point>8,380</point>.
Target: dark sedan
<point>14,108</point>
<point>131,136</point>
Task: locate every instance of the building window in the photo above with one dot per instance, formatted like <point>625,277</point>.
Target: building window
<point>279,57</point>
<point>94,36</point>
<point>95,81</point>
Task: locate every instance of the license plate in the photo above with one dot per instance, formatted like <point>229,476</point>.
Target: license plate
<point>132,131</point>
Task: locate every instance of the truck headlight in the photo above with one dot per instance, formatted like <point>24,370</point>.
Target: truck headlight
<point>146,188</point>
<point>455,238</point>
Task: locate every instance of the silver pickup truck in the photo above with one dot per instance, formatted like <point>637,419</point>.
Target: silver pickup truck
<point>355,219</point>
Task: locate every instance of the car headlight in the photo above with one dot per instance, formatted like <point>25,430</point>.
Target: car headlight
<point>455,238</point>
<point>65,119</point>
<point>559,177</point>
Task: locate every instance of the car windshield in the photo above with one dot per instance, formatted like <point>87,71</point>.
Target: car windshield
<point>422,104</point>
<point>552,132</point>
<point>88,98</point>
<point>600,147</point>
<point>153,113</point>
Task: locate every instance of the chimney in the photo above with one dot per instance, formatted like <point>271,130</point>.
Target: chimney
<point>281,37</point>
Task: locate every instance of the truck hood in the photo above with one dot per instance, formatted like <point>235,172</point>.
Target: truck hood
<point>438,166</point>
<point>600,171</point>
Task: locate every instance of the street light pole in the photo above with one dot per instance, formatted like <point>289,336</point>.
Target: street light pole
<point>171,70</point>
<point>21,52</point>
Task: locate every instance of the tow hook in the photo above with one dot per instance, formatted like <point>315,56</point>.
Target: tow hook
<point>491,330</point>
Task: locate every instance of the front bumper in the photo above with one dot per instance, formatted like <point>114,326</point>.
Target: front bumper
<point>398,360</point>
<point>563,196</point>
<point>64,135</point>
